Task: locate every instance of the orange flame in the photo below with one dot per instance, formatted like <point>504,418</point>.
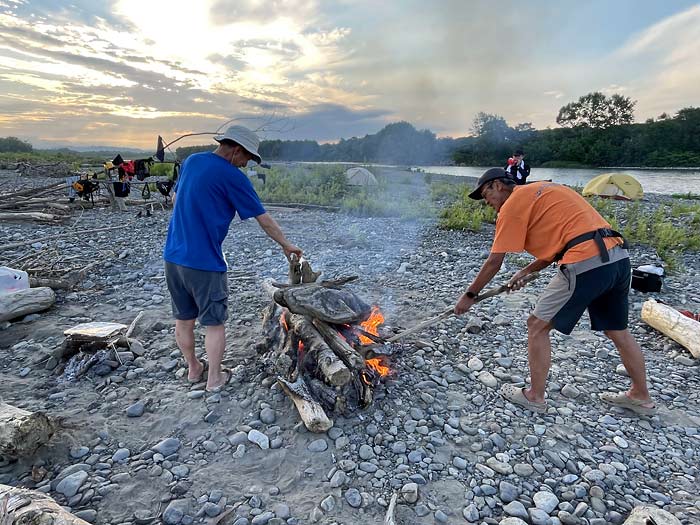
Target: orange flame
<point>283,321</point>
<point>376,364</point>
<point>370,325</point>
<point>301,345</point>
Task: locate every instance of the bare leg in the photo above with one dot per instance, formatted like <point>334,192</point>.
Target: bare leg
<point>539,356</point>
<point>184,336</point>
<point>215,344</point>
<point>633,359</point>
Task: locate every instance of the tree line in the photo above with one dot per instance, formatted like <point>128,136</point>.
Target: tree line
<point>594,131</point>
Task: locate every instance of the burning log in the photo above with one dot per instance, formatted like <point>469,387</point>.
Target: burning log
<point>20,506</point>
<point>340,346</point>
<point>333,370</point>
<point>314,348</point>
<point>22,432</point>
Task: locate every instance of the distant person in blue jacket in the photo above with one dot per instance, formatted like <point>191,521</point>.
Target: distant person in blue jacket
<point>210,191</point>
<point>517,168</point>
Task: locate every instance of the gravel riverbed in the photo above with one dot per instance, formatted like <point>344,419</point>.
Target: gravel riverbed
<point>141,445</point>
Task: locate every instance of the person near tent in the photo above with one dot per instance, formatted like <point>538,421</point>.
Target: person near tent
<point>210,191</point>
<point>517,168</point>
<point>555,224</point>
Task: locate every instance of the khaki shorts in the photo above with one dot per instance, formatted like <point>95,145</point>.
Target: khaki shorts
<point>601,288</point>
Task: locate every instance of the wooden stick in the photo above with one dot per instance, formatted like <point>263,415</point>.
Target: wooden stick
<point>133,324</point>
<point>30,191</point>
<point>389,519</point>
<point>450,311</point>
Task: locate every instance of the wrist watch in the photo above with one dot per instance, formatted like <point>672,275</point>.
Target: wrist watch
<point>471,295</point>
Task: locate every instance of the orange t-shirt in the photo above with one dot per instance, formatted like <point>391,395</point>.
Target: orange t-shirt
<point>540,218</point>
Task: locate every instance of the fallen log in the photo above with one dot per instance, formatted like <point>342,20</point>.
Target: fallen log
<point>332,368</point>
<point>670,322</point>
<point>30,191</point>
<point>22,432</point>
<point>311,412</point>
<point>23,302</point>
<point>32,216</point>
<point>30,507</point>
<point>56,284</point>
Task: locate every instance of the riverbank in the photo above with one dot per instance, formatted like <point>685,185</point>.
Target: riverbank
<point>438,428</point>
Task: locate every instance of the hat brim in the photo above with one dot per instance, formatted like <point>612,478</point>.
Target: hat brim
<point>476,194</point>
<point>256,156</point>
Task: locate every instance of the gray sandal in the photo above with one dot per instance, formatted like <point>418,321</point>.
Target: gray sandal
<point>516,396</point>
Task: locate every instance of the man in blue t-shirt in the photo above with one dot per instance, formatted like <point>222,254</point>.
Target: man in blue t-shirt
<point>210,191</point>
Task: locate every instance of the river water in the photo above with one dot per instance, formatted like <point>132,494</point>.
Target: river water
<point>666,181</point>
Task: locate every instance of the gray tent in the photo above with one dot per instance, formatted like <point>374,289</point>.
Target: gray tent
<point>360,177</point>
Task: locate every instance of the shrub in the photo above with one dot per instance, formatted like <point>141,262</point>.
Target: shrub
<point>466,213</point>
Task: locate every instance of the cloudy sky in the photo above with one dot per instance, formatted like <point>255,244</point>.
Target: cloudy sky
<point>121,72</point>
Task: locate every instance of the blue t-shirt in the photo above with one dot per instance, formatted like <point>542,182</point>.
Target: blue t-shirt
<point>210,191</point>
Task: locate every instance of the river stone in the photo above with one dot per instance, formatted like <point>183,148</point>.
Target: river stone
<point>260,439</point>
<point>508,492</point>
<point>353,497</point>
<point>471,513</point>
<point>487,379</point>
<point>70,485</point>
<point>410,492</point>
<point>516,509</point>
<point>545,501</point>
<point>168,446</point>
<point>318,445</point>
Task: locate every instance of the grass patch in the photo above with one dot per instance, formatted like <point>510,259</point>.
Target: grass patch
<point>688,196</point>
<point>466,214</point>
<point>325,185</point>
<point>669,238</point>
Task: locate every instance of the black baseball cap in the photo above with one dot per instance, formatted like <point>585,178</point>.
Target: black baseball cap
<point>488,176</point>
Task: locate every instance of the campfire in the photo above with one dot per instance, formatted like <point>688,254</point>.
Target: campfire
<point>321,341</point>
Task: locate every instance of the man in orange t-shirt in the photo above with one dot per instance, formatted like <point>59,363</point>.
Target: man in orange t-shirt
<point>555,224</point>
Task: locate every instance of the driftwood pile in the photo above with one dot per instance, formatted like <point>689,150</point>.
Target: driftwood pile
<point>312,344</point>
<point>39,204</point>
<point>49,169</point>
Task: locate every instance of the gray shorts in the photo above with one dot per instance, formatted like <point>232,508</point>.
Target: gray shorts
<point>601,288</point>
<point>197,294</point>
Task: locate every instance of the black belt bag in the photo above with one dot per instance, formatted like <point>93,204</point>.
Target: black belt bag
<point>596,235</point>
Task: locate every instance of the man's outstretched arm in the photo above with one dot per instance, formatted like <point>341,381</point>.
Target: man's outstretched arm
<point>488,270</point>
<point>273,230</point>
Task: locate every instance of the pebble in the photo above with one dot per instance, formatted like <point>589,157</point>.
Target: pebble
<point>121,455</point>
<point>136,410</point>
<point>410,492</point>
<point>475,364</point>
<point>508,492</point>
<point>545,501</point>
<point>317,445</point>
<point>70,485</point>
<point>570,391</point>
<point>268,416</point>
<point>516,509</point>
<point>471,513</point>
<point>168,446</point>
<point>487,379</point>
<point>260,439</point>
<point>353,497</point>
